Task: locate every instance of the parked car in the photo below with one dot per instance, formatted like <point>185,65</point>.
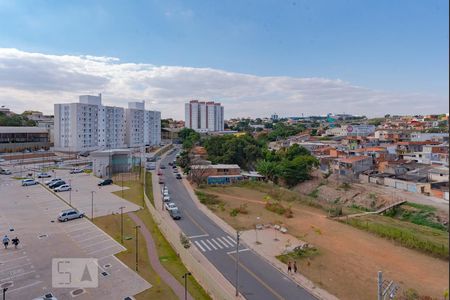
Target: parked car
<point>84,153</point>
<point>165,192</point>
<point>43,175</point>
<point>105,182</point>
<point>174,166</point>
<point>178,176</point>
<point>56,184</point>
<point>171,164</point>
<point>5,172</point>
<point>70,214</point>
<point>170,205</point>
<point>166,198</point>
<point>27,182</point>
<point>175,214</point>
<point>162,166</point>
<point>160,173</point>
<point>63,188</point>
<point>2,159</point>
<point>161,180</point>
<point>48,182</point>
<point>76,171</point>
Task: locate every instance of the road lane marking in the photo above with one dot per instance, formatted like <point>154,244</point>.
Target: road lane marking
<point>240,250</point>
<point>218,245</point>
<point>232,240</point>
<point>199,246</point>
<point>204,244</point>
<point>220,240</point>
<point>195,222</point>
<point>197,236</point>
<point>228,242</point>
<point>258,279</point>
<point>212,245</point>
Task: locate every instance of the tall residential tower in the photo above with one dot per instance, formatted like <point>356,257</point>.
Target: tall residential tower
<point>204,116</point>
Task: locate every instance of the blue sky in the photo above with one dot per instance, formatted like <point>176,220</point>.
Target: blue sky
<point>395,46</point>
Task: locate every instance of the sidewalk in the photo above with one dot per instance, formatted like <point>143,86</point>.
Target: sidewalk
<point>154,260</point>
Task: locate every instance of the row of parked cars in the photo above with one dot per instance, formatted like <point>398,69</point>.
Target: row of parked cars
<point>171,207</point>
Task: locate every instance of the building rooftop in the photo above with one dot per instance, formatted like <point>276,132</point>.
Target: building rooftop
<point>22,129</point>
<point>352,159</point>
<point>219,166</point>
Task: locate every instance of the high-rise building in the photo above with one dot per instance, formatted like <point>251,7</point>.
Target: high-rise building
<point>204,116</point>
<point>88,125</point>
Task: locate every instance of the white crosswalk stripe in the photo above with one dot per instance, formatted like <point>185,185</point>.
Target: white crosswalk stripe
<point>214,244</point>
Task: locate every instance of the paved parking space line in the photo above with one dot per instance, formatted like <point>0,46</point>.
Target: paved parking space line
<point>78,229</point>
<point>199,246</point>
<point>17,275</point>
<point>197,236</point>
<point>91,252</point>
<point>14,259</point>
<point>90,238</point>
<point>74,223</point>
<point>93,230</point>
<point>204,244</point>
<point>94,244</point>
<point>16,267</point>
<point>24,287</point>
<point>218,245</point>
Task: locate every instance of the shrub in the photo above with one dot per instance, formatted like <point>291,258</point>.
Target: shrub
<point>314,194</point>
<point>276,207</point>
<point>345,186</point>
<point>207,199</point>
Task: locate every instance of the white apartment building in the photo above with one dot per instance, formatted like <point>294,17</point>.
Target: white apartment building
<point>351,130</point>
<point>88,125</point>
<point>152,128</point>
<point>204,116</point>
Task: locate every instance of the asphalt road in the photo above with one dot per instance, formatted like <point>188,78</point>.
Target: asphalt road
<point>257,278</point>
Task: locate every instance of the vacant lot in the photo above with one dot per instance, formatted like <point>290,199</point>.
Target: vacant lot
<point>348,258</point>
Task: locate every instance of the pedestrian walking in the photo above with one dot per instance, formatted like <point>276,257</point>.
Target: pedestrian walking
<point>289,267</point>
<point>295,267</point>
<point>15,241</point>
<point>5,241</point>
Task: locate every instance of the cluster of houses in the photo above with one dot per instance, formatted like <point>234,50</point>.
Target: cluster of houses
<point>398,158</point>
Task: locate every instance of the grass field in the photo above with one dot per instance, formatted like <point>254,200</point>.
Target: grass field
<point>429,240</point>
<point>168,257</point>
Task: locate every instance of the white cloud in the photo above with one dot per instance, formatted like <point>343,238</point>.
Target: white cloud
<point>37,81</point>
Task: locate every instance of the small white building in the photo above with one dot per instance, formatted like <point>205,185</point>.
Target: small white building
<point>105,163</point>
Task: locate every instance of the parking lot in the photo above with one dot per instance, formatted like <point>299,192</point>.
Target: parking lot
<point>31,212</point>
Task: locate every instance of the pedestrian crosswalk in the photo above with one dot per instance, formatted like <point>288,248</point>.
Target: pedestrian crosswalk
<point>216,243</point>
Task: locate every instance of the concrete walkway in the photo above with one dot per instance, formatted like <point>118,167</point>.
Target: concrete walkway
<point>154,260</point>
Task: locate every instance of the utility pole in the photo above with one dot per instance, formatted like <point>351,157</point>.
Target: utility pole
<point>121,175</point>
<point>70,192</point>
<point>185,284</point>
<point>380,286</point>
<point>121,224</point>
<point>137,245</point>
<point>237,263</point>
<point>92,206</point>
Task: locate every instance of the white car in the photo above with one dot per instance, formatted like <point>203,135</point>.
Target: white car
<point>170,206</point>
<point>165,193</point>
<point>43,175</point>
<point>27,182</point>
<point>63,188</point>
<point>2,159</point>
<point>166,198</point>
<point>76,171</point>
<point>52,180</point>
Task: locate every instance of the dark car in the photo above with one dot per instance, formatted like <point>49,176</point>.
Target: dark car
<point>175,214</point>
<point>56,184</point>
<point>105,182</point>
<point>162,166</point>
<point>171,164</point>
<point>178,176</point>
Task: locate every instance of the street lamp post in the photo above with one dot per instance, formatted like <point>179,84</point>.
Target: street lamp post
<point>256,230</point>
<point>121,176</point>
<point>137,245</point>
<point>92,206</point>
<point>70,192</point>
<point>185,284</point>
<point>237,262</point>
<point>121,223</point>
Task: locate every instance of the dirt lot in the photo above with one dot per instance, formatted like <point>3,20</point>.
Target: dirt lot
<point>348,258</point>
<point>368,196</point>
